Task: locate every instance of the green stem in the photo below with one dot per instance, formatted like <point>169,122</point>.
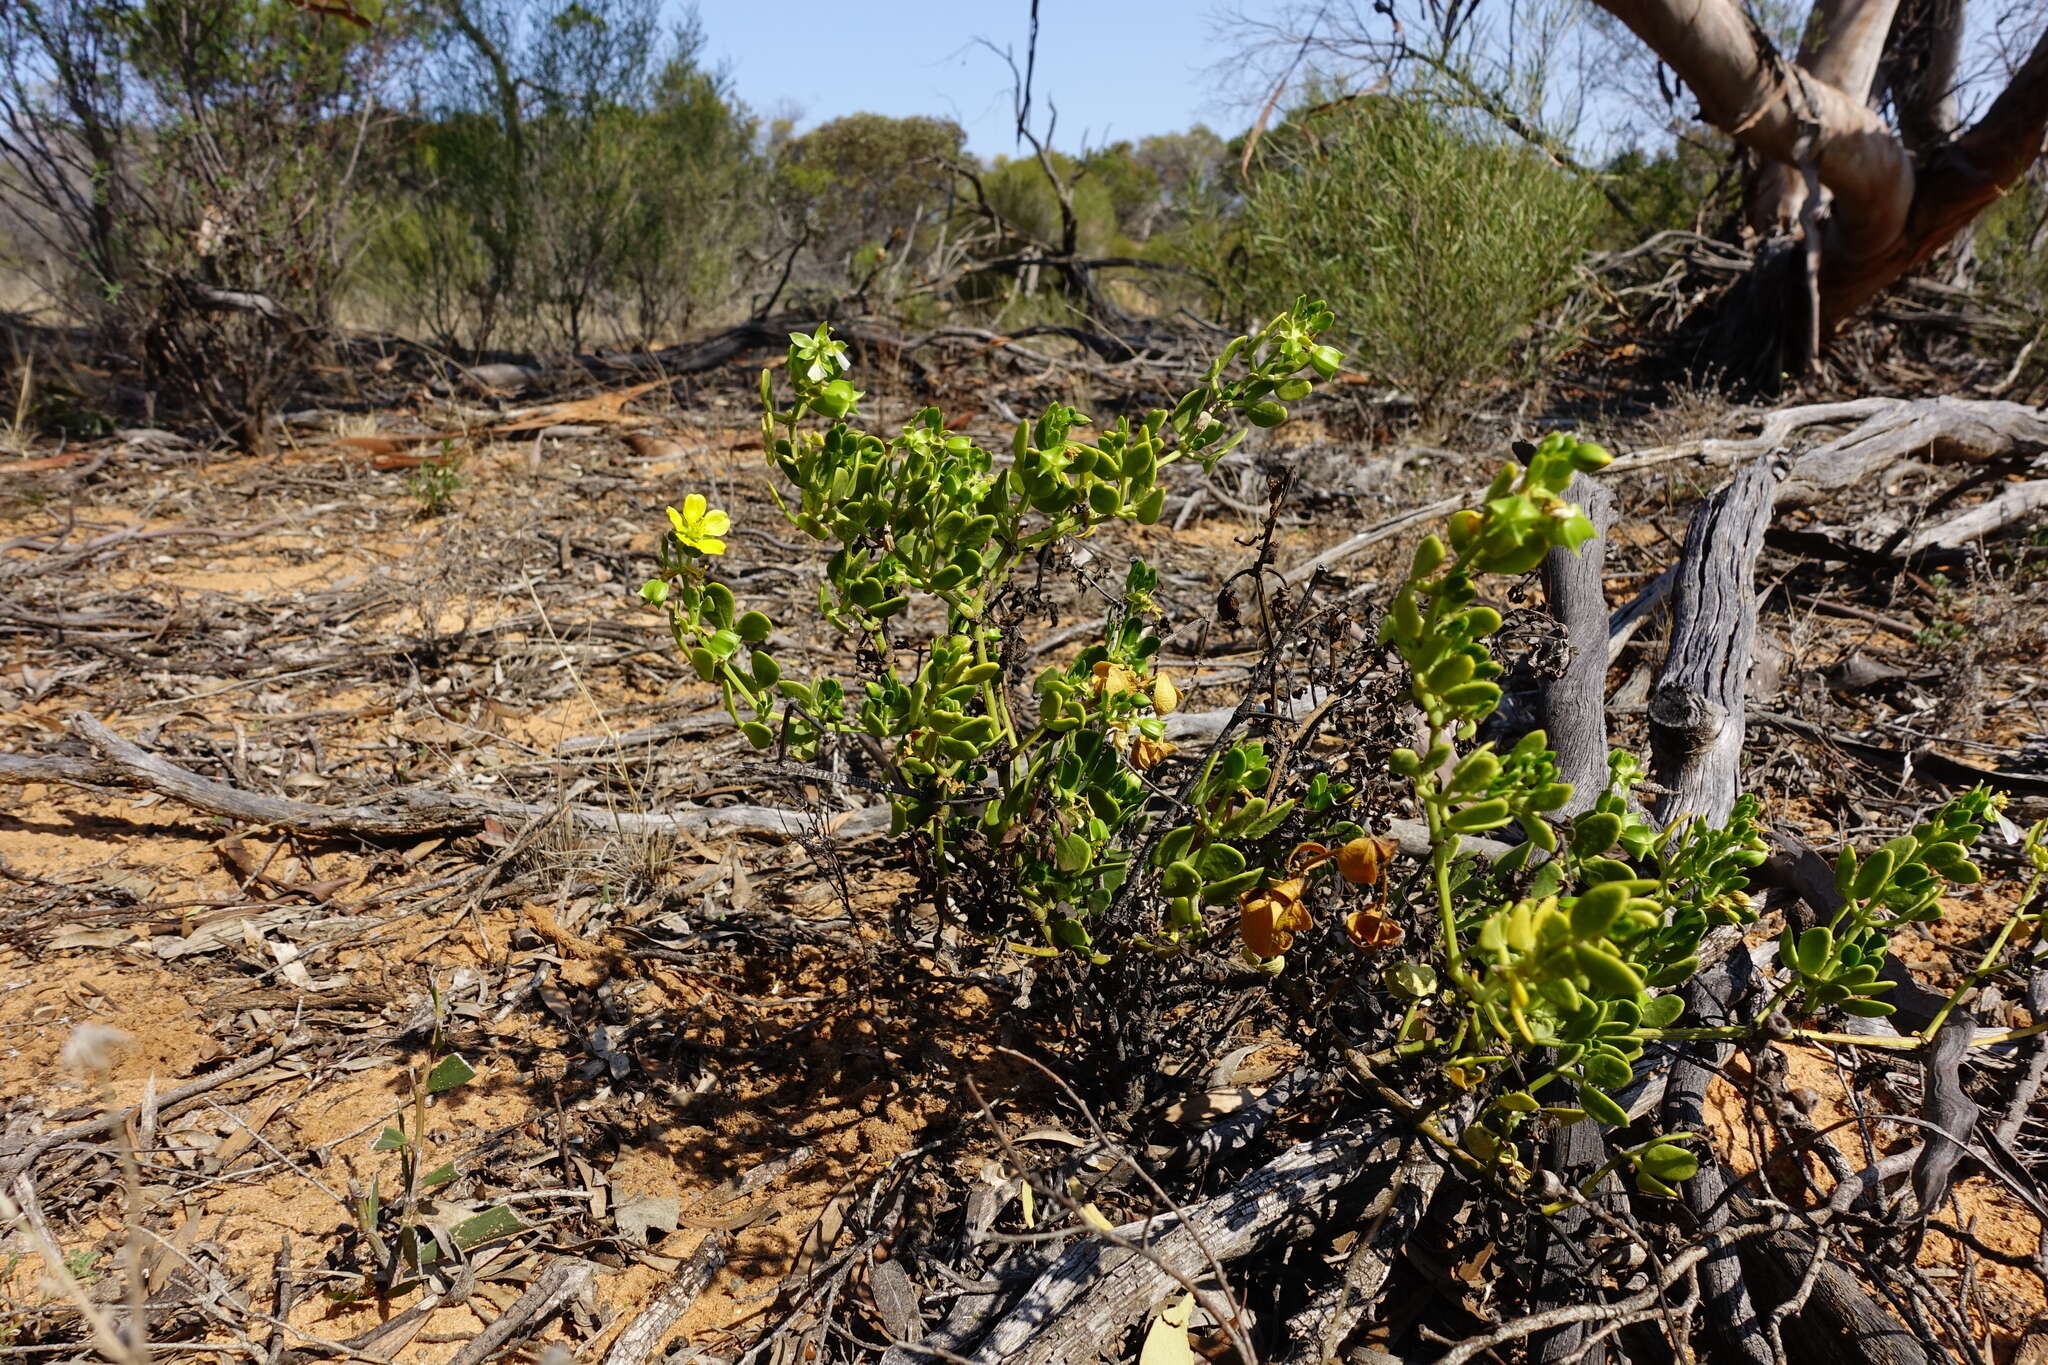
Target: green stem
<point>1987,962</point>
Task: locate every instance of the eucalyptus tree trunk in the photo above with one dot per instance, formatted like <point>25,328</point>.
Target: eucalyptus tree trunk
<point>1889,197</point>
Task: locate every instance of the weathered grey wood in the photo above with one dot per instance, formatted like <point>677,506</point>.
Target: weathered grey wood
<point>1099,1287</point>
<point>418,810</point>
<point>1841,1323</point>
<point>1712,999</point>
<point>2012,503</point>
<point>564,1280</point>
<point>404,810</point>
<point>1573,706</point>
<point>1696,708</point>
<point>1943,430</point>
<point>645,1333</point>
<point>1317,1333</point>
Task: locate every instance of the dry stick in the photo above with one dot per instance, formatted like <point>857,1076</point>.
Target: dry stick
<point>1889,430</point>
<point>167,1107</point>
<point>1573,707</point>
<point>2012,503</point>
<point>106,1337</point>
<point>410,810</point>
<point>1841,1322</point>
<point>423,810</point>
<point>1222,1303</point>
<point>1696,728</point>
<point>561,1282</point>
<point>1712,998</point>
<point>1776,427</point>
<point>647,1331</point>
<point>1320,1329</point>
<point>1649,1299</point>
<point>1097,1288</point>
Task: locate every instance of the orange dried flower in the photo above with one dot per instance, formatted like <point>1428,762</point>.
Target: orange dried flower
<point>1148,753</point>
<point>1363,861</point>
<point>1370,931</point>
<point>1269,917</point>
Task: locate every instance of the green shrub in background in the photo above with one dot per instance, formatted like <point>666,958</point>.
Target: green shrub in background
<point>2011,241</point>
<point>191,167</point>
<point>577,175</point>
<point>1439,249</point>
<point>865,201</point>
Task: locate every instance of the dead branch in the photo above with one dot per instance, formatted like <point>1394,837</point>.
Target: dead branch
<point>414,810</point>
<point>2013,503</point>
<point>1696,709</point>
<point>168,1105</point>
<point>646,1332</point>
<point>1943,430</point>
<point>1574,705</point>
<point>1924,764</point>
<point>1320,1330</point>
<point>1098,1287</point>
<point>562,1282</point>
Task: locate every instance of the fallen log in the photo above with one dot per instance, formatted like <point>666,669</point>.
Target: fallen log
<point>1924,764</point>
<point>420,810</point>
<point>1887,432</point>
<point>2013,503</point>
<point>1943,430</point>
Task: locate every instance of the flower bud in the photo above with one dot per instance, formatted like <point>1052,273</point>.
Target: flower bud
<point>1165,696</point>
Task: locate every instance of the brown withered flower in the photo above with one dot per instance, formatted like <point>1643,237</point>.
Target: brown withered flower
<point>1370,931</point>
<point>1269,917</point>
<point>1363,861</point>
<point>1148,753</point>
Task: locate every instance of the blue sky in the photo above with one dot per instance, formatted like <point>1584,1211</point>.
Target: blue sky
<point>1116,68</point>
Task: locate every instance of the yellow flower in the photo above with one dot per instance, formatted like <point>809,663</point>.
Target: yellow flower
<point>1114,680</point>
<point>1165,696</point>
<point>698,527</point>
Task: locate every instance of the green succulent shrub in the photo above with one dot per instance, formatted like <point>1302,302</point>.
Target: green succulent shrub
<point>1532,979</point>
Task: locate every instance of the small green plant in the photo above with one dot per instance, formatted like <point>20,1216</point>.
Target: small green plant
<point>434,484</point>
<point>1534,979</point>
<point>406,1234</point>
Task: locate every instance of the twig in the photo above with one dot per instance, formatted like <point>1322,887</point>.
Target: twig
<point>561,1282</point>
<point>647,1331</point>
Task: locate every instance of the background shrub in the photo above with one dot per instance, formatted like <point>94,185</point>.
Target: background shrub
<point>1437,248</point>
<point>189,167</point>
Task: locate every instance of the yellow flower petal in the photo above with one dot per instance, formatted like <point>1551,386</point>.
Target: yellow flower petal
<point>675,519</point>
<point>710,545</point>
<point>717,523</point>
<point>693,508</point>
